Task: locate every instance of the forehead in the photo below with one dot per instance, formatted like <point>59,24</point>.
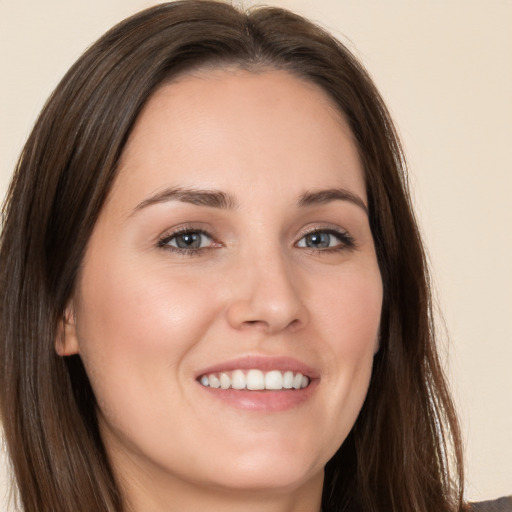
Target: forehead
<point>233,128</point>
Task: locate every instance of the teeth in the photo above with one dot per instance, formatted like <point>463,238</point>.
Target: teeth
<point>225,381</point>
<point>238,380</point>
<point>214,381</point>
<point>288,380</point>
<point>274,380</point>
<point>297,381</point>
<point>255,380</point>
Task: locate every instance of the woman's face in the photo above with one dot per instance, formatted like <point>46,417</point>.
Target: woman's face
<point>234,250</point>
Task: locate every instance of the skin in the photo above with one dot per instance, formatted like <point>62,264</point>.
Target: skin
<point>146,318</point>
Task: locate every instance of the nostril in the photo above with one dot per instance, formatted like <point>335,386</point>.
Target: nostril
<point>255,324</point>
<point>270,326</point>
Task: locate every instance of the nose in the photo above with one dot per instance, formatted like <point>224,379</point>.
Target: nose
<point>267,296</point>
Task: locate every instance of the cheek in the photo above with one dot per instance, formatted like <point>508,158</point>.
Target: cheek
<point>134,309</point>
<point>135,326</point>
<point>136,329</point>
<point>350,314</point>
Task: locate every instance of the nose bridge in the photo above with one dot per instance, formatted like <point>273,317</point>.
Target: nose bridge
<point>268,295</point>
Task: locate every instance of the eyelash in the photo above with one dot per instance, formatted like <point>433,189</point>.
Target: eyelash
<point>164,242</point>
<point>346,241</point>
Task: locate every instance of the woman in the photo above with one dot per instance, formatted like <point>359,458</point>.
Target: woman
<point>214,293</point>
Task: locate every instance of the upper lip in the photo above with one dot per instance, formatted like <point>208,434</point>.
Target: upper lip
<point>263,363</point>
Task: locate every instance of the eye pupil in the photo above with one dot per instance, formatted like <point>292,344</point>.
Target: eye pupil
<point>317,240</point>
<point>188,241</point>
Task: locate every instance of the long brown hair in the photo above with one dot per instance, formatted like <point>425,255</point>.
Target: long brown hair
<point>403,453</point>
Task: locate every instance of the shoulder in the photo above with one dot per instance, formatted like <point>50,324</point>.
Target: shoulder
<point>500,505</point>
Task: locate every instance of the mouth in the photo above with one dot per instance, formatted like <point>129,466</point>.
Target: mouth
<point>255,380</point>
<point>260,383</point>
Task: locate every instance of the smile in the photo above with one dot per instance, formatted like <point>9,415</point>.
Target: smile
<point>255,380</point>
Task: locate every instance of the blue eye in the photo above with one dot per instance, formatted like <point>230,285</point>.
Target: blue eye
<point>187,241</point>
<point>326,239</point>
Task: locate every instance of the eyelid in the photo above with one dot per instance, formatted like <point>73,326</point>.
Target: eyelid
<point>346,240</point>
<point>168,235</point>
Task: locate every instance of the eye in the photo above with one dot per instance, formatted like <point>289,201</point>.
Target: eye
<point>326,239</point>
<point>187,241</point>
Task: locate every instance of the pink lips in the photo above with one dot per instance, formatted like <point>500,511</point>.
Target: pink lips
<point>262,401</point>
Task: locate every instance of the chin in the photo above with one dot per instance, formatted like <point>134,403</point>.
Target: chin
<point>268,470</point>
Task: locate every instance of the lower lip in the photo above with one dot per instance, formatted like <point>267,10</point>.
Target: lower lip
<point>263,401</point>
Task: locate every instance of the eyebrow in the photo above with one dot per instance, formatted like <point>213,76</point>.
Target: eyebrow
<point>319,197</point>
<point>210,198</point>
<point>223,200</point>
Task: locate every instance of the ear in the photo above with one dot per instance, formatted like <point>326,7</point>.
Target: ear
<point>66,341</point>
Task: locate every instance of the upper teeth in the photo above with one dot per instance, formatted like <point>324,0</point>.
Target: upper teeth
<point>255,380</point>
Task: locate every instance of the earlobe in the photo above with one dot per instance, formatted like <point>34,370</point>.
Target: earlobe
<point>66,341</point>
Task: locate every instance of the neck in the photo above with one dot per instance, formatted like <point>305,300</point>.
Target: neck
<point>165,494</point>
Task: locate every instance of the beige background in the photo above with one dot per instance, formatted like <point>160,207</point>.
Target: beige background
<point>445,69</point>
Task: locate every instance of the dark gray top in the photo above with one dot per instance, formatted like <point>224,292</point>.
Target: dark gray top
<point>501,505</point>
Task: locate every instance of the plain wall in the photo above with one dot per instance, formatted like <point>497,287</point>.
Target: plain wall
<point>445,70</point>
